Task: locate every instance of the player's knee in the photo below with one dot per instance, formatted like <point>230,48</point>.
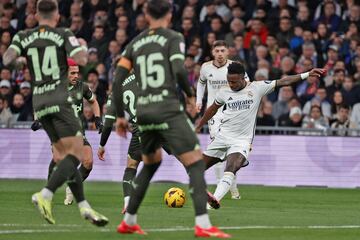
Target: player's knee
<point>233,166</point>
<point>131,163</point>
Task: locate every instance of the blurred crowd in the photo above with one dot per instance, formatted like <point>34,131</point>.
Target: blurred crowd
<point>271,38</point>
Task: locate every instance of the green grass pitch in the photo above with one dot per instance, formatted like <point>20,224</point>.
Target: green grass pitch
<point>262,213</point>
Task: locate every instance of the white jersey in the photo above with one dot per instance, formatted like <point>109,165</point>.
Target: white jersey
<point>215,78</point>
<point>240,110</point>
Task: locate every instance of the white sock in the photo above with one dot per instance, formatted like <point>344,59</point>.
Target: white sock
<point>224,185</point>
<point>130,219</point>
<point>47,194</point>
<point>84,204</point>
<point>219,170</point>
<point>233,188</point>
<point>126,201</point>
<point>203,221</point>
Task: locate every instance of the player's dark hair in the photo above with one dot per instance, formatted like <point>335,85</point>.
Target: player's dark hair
<point>158,8</point>
<point>219,43</point>
<point>46,8</point>
<point>236,68</point>
<point>344,106</point>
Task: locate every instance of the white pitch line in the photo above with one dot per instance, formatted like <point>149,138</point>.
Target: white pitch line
<point>169,229</point>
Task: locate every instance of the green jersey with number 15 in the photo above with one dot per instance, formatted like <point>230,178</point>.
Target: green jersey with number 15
<point>46,50</point>
<point>151,53</point>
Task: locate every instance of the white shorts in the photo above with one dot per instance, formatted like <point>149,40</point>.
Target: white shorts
<point>214,124</point>
<point>220,147</point>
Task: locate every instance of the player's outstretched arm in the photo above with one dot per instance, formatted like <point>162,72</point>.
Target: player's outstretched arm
<point>288,80</point>
<point>209,113</point>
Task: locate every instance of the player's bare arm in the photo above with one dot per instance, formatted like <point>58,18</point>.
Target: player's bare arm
<point>10,56</point>
<point>122,70</point>
<point>209,113</point>
<point>288,80</point>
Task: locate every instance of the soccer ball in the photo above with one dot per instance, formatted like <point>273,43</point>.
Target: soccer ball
<point>175,197</point>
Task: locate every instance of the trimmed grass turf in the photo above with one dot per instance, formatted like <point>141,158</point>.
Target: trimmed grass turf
<point>260,206</point>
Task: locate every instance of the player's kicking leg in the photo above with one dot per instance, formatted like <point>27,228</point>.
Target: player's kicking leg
<point>234,162</point>
<point>84,169</point>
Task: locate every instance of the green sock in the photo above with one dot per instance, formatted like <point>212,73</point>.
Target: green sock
<point>52,165</point>
<point>198,186</point>
<point>64,171</point>
<point>128,178</point>
<point>84,172</point>
<point>140,185</point>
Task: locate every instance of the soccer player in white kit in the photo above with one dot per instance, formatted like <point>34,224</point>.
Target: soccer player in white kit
<point>213,75</point>
<point>240,103</point>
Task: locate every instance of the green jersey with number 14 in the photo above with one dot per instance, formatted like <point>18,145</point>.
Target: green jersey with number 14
<point>151,53</point>
<point>46,50</point>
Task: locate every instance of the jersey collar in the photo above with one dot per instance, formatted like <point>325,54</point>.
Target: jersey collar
<point>221,65</point>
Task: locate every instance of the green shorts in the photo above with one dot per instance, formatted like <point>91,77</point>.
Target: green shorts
<point>174,131</point>
<point>61,124</point>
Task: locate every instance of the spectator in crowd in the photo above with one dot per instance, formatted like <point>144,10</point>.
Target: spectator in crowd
<point>319,100</point>
<point>237,27</point>
<point>281,106</point>
<point>264,117</point>
<point>140,24</point>
<point>257,33</point>
<point>121,38</point>
<point>292,119</point>
<point>303,17</point>
<point>357,71</point>
<point>89,118</point>
<point>350,91</point>
<point>5,90</point>
<point>18,110</point>
<point>315,120</point>
<point>241,52</point>
<point>80,28</point>
<point>217,27</point>
<point>5,113</point>
<point>188,30</point>
<point>308,53</point>
<point>206,53</point>
<point>100,42</point>
<point>337,101</point>
<point>287,66</point>
<point>322,40</point>
<point>262,74</point>
<point>284,51</point>
<point>285,32</point>
<point>272,45</point>
<point>338,80</point>
<point>329,17</point>
<point>123,23</point>
<point>97,87</point>
<point>352,16</point>
<point>5,26</point>
<point>113,52</point>
<point>343,122</point>
<point>25,91</point>
<point>331,57</point>
<point>355,115</point>
<point>306,90</point>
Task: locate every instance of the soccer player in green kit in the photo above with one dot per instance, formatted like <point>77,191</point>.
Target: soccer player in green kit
<point>46,48</point>
<point>157,57</point>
